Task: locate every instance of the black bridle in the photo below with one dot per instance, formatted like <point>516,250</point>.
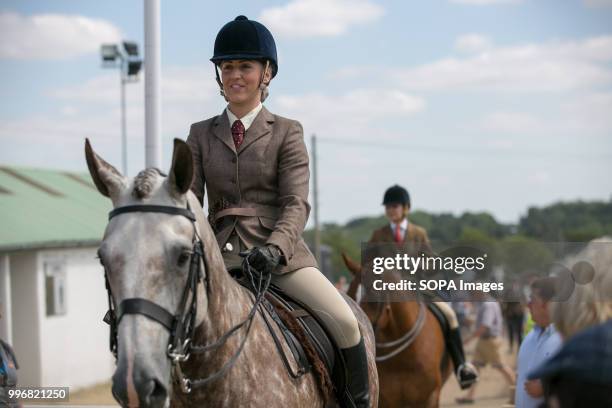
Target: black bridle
<point>181,325</point>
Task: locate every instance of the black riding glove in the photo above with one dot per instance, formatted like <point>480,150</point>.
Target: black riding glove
<point>264,259</point>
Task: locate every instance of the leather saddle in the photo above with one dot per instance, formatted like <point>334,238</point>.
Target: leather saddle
<point>312,347</point>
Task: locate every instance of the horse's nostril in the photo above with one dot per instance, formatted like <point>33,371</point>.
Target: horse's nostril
<point>155,394</point>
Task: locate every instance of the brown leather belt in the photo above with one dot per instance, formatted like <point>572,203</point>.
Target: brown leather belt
<point>259,211</point>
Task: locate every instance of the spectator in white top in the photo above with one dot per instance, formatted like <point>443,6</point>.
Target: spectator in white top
<point>489,323</point>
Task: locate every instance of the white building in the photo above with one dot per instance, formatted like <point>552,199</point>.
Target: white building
<point>51,284</point>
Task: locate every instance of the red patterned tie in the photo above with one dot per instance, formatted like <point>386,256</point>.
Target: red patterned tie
<point>398,234</point>
<point>238,133</point>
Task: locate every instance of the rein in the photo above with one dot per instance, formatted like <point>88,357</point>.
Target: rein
<point>405,340</point>
<point>181,325</point>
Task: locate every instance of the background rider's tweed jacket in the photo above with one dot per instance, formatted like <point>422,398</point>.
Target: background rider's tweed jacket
<point>415,238</point>
<point>415,243</point>
<point>269,169</point>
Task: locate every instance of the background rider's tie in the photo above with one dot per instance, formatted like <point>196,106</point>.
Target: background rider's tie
<point>398,234</point>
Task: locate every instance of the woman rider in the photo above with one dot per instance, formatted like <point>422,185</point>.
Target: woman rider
<point>254,166</point>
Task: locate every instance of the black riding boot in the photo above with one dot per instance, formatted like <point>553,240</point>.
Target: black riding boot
<point>357,392</point>
<point>466,373</point>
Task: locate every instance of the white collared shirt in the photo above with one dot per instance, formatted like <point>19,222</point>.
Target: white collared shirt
<point>403,227</point>
<point>247,120</point>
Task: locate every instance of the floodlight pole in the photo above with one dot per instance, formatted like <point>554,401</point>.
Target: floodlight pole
<point>128,66</point>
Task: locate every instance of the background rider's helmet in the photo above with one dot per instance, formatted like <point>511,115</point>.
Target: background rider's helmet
<point>396,195</point>
<point>245,39</point>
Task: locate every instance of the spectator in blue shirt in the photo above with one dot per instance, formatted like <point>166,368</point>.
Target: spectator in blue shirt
<point>539,345</point>
<point>580,374</point>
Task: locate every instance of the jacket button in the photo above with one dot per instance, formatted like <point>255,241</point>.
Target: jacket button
<point>233,180</point>
<point>234,160</point>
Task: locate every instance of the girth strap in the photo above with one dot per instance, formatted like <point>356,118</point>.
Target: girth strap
<point>147,308</point>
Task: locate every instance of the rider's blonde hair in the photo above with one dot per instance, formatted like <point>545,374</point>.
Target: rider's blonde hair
<point>590,303</point>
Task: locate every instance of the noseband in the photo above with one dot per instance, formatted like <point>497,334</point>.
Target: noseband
<point>181,325</point>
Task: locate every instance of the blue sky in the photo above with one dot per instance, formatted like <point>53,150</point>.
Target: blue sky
<point>473,105</point>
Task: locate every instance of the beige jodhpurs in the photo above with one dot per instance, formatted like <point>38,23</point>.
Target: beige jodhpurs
<point>312,288</point>
<point>449,313</point>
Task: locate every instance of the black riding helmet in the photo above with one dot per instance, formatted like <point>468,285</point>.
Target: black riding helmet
<point>245,39</point>
<point>396,195</point>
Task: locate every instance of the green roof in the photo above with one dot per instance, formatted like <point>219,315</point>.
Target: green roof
<point>49,209</point>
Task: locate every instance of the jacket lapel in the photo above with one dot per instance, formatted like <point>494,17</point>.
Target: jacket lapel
<point>222,131</point>
<point>261,126</point>
<point>388,234</point>
<point>409,237</point>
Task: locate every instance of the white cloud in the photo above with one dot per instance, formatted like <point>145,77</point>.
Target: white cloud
<point>350,114</point>
<point>556,66</point>
<point>472,43</point>
<point>512,122</point>
<point>319,18</point>
<point>484,2</point>
<point>91,109</point>
<point>52,36</point>
<point>584,115</point>
<point>353,72</point>
<point>179,84</point>
<point>100,89</point>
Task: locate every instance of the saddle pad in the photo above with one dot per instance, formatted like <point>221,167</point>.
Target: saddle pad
<point>325,346</point>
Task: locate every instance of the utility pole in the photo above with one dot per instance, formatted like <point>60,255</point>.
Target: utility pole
<point>315,196</point>
<point>152,84</point>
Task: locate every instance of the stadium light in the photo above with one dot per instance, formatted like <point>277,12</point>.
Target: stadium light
<point>129,64</point>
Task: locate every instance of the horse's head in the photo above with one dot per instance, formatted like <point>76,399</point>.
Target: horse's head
<point>377,312</point>
<point>147,256</point>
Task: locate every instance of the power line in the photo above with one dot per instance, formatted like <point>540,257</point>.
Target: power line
<point>461,150</point>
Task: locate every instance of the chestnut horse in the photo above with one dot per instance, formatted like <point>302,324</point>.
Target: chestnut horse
<point>183,331</point>
<point>412,372</point>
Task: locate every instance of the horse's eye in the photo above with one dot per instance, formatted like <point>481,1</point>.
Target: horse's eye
<point>183,258</point>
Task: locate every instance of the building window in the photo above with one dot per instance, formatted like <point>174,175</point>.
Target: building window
<point>55,288</point>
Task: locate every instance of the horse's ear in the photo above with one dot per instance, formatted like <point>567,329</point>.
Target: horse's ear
<point>353,267</point>
<point>107,179</point>
<point>181,172</point>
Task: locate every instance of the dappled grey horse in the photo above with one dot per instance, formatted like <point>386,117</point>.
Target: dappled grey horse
<point>184,332</point>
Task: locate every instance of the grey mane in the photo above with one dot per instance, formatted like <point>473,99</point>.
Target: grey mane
<point>145,181</point>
